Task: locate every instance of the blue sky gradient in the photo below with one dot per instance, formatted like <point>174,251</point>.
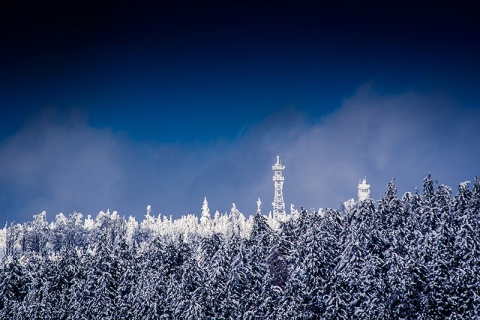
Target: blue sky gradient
<point>123,104</point>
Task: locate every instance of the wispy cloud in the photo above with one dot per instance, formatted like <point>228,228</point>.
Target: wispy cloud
<point>56,163</point>
<point>403,136</point>
<point>60,163</point>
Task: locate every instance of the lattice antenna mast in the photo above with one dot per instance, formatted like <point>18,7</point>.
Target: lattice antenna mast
<point>278,203</point>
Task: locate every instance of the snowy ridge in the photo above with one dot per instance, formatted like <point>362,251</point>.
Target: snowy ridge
<point>186,227</point>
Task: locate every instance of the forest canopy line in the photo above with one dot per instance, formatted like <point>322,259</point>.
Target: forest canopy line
<point>414,257</point>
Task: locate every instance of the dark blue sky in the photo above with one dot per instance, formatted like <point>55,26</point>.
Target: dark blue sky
<point>208,81</point>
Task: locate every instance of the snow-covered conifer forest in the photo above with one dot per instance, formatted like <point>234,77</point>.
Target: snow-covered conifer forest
<point>414,257</point>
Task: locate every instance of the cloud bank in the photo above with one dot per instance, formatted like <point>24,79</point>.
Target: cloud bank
<point>60,163</point>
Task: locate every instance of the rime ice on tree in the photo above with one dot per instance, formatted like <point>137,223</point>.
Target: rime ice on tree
<point>278,203</point>
<point>205,212</point>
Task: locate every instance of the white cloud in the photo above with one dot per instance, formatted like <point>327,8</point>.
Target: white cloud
<point>65,165</point>
<point>55,166</point>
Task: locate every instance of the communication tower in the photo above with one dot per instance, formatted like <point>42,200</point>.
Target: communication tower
<point>278,203</point>
<point>363,190</point>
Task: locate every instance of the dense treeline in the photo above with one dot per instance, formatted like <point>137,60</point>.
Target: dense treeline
<point>415,257</point>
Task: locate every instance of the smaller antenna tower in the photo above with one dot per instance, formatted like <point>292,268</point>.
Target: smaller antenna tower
<point>363,190</point>
<point>278,203</point>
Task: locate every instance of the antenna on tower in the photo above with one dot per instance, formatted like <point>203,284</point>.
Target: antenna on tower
<point>278,203</point>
